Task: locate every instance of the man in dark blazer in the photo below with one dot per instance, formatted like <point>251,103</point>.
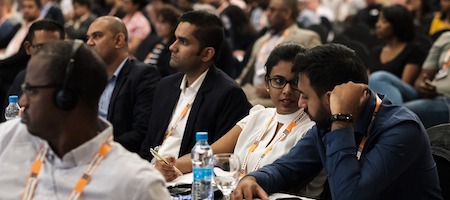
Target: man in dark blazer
<point>199,98</point>
<point>40,33</point>
<point>127,99</point>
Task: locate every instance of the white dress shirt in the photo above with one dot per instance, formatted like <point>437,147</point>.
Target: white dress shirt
<point>121,175</point>
<point>171,145</point>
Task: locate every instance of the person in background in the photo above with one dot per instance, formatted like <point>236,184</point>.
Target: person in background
<point>9,22</point>
<point>433,85</point>
<point>14,58</point>
<point>40,33</point>
<point>30,13</point>
<point>60,148</point>
<point>441,20</point>
<point>154,50</point>
<point>77,27</point>
<point>51,10</point>
<point>266,125</point>
<point>281,16</point>
<point>128,96</point>
<point>395,64</point>
<point>137,24</point>
<point>199,98</point>
<point>394,153</point>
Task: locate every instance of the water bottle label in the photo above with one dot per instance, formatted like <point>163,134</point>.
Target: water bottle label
<point>201,173</point>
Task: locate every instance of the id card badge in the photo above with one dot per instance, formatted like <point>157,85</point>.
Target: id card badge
<point>442,73</point>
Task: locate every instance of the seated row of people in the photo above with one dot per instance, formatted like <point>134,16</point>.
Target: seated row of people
<point>203,98</point>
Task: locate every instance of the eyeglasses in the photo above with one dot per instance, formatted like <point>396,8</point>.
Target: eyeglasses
<point>280,83</point>
<point>38,46</point>
<point>31,90</point>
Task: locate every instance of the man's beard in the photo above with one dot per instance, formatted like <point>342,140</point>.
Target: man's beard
<point>322,118</point>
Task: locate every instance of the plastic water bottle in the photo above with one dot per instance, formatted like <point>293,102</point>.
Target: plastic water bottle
<point>202,168</point>
<point>12,110</point>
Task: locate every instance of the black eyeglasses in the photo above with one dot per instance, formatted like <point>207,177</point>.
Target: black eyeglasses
<point>280,83</point>
<point>31,90</point>
<point>38,46</point>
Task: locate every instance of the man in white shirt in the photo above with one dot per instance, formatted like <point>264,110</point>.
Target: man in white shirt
<point>201,97</point>
<point>30,10</point>
<point>60,149</point>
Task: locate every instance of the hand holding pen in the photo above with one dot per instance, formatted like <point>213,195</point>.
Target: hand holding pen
<point>166,166</point>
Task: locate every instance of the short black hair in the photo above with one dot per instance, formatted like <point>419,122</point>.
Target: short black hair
<point>88,76</point>
<point>401,21</point>
<point>330,65</point>
<point>87,3</point>
<point>209,29</point>
<point>47,25</point>
<point>168,14</point>
<point>292,5</point>
<point>37,2</point>
<point>140,3</point>
<point>282,52</point>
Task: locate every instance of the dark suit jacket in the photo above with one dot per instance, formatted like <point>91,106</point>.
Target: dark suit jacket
<point>56,14</point>
<point>131,103</point>
<point>220,103</point>
<point>80,32</point>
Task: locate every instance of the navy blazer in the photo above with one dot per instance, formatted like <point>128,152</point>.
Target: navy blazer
<point>131,103</point>
<point>220,103</point>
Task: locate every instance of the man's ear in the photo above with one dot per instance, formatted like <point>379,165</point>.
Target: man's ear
<point>327,97</point>
<point>119,40</point>
<point>207,54</point>
<point>27,47</point>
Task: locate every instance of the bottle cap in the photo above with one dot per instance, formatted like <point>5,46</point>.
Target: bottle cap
<point>13,99</point>
<point>201,136</point>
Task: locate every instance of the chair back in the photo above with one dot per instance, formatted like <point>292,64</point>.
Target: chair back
<point>440,147</point>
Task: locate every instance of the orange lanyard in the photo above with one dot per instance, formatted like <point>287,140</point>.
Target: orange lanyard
<point>255,144</point>
<point>82,182</point>
<point>182,115</point>
<point>363,140</point>
<point>265,45</point>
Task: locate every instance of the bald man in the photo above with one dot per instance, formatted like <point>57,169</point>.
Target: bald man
<point>127,99</point>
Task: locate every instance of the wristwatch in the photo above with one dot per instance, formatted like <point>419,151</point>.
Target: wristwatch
<point>341,117</point>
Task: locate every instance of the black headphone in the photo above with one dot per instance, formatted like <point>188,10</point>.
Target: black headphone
<point>66,98</point>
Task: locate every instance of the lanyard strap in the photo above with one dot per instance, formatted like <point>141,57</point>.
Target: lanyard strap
<point>364,139</point>
<point>182,116</point>
<point>82,182</point>
<point>252,148</point>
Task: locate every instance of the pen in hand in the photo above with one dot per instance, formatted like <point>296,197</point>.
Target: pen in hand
<point>159,157</point>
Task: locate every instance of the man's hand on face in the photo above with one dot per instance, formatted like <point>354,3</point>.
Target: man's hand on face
<point>248,188</point>
<point>349,98</point>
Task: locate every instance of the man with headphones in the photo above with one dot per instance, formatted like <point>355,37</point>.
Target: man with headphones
<point>128,96</point>
<point>60,148</point>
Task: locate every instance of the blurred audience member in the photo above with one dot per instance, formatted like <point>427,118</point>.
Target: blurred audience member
<point>433,84</point>
<point>51,10</point>
<point>9,22</point>
<point>282,15</point>
<point>239,33</point>
<point>31,10</point>
<point>395,65</point>
<point>154,49</point>
<point>82,19</point>
<point>137,24</point>
<point>441,19</point>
